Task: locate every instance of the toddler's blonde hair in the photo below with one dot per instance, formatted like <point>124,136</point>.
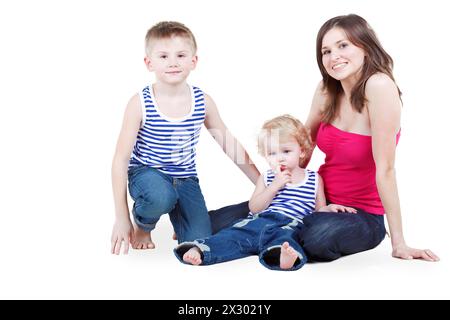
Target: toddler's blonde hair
<point>285,127</point>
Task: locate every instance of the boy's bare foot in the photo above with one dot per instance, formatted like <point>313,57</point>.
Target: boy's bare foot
<point>288,256</point>
<point>142,239</point>
<point>193,256</point>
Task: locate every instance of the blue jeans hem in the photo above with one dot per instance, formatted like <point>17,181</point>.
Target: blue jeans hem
<point>300,262</point>
<point>182,248</point>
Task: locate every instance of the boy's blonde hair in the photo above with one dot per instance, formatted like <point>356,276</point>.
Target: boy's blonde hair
<point>285,127</point>
<point>167,30</point>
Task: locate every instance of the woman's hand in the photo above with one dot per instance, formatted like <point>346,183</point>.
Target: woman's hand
<point>337,208</point>
<point>404,252</point>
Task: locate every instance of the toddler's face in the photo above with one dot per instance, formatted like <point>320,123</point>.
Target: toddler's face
<point>171,59</point>
<point>284,153</point>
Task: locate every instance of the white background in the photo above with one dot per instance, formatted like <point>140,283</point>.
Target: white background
<point>67,70</point>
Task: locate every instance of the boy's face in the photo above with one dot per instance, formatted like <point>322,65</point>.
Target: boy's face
<point>171,59</point>
<point>283,152</point>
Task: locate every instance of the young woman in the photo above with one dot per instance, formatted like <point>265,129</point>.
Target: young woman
<point>355,121</point>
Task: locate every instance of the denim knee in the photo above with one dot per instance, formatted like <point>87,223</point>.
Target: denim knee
<point>152,191</point>
<point>150,206</point>
<point>319,242</point>
<point>328,236</point>
<point>151,202</point>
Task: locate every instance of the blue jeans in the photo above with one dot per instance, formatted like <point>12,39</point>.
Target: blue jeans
<point>155,193</point>
<point>260,235</point>
<point>325,236</point>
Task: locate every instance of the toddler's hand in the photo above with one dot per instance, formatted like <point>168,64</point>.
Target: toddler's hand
<point>282,176</point>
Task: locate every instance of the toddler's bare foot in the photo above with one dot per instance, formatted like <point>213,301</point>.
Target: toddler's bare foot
<point>142,240</point>
<point>288,256</point>
<point>193,256</point>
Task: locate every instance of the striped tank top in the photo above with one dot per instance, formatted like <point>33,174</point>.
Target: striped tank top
<point>295,200</point>
<point>167,144</point>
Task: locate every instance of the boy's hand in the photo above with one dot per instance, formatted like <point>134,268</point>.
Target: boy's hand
<point>282,176</point>
<point>122,232</point>
<point>337,208</point>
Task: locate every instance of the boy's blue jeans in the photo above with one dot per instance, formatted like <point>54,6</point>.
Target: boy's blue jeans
<point>325,236</point>
<point>260,235</point>
<point>156,193</point>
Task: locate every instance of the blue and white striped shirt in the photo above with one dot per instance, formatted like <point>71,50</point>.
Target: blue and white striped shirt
<point>295,200</point>
<point>168,144</point>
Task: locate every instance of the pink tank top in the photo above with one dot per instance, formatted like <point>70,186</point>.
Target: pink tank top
<point>349,169</point>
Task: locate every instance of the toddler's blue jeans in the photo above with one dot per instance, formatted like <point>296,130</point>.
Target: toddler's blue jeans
<point>261,235</point>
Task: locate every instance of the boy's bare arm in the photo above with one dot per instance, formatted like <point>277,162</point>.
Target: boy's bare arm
<point>123,229</point>
<point>230,145</point>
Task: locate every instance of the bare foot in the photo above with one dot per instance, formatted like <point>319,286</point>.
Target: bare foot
<point>142,240</point>
<point>288,256</point>
<point>174,236</point>
<point>193,256</point>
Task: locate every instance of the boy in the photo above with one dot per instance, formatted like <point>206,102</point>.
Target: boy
<point>160,129</point>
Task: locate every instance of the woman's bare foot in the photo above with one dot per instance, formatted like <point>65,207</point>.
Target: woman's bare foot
<point>193,256</point>
<point>142,239</point>
<point>288,256</point>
